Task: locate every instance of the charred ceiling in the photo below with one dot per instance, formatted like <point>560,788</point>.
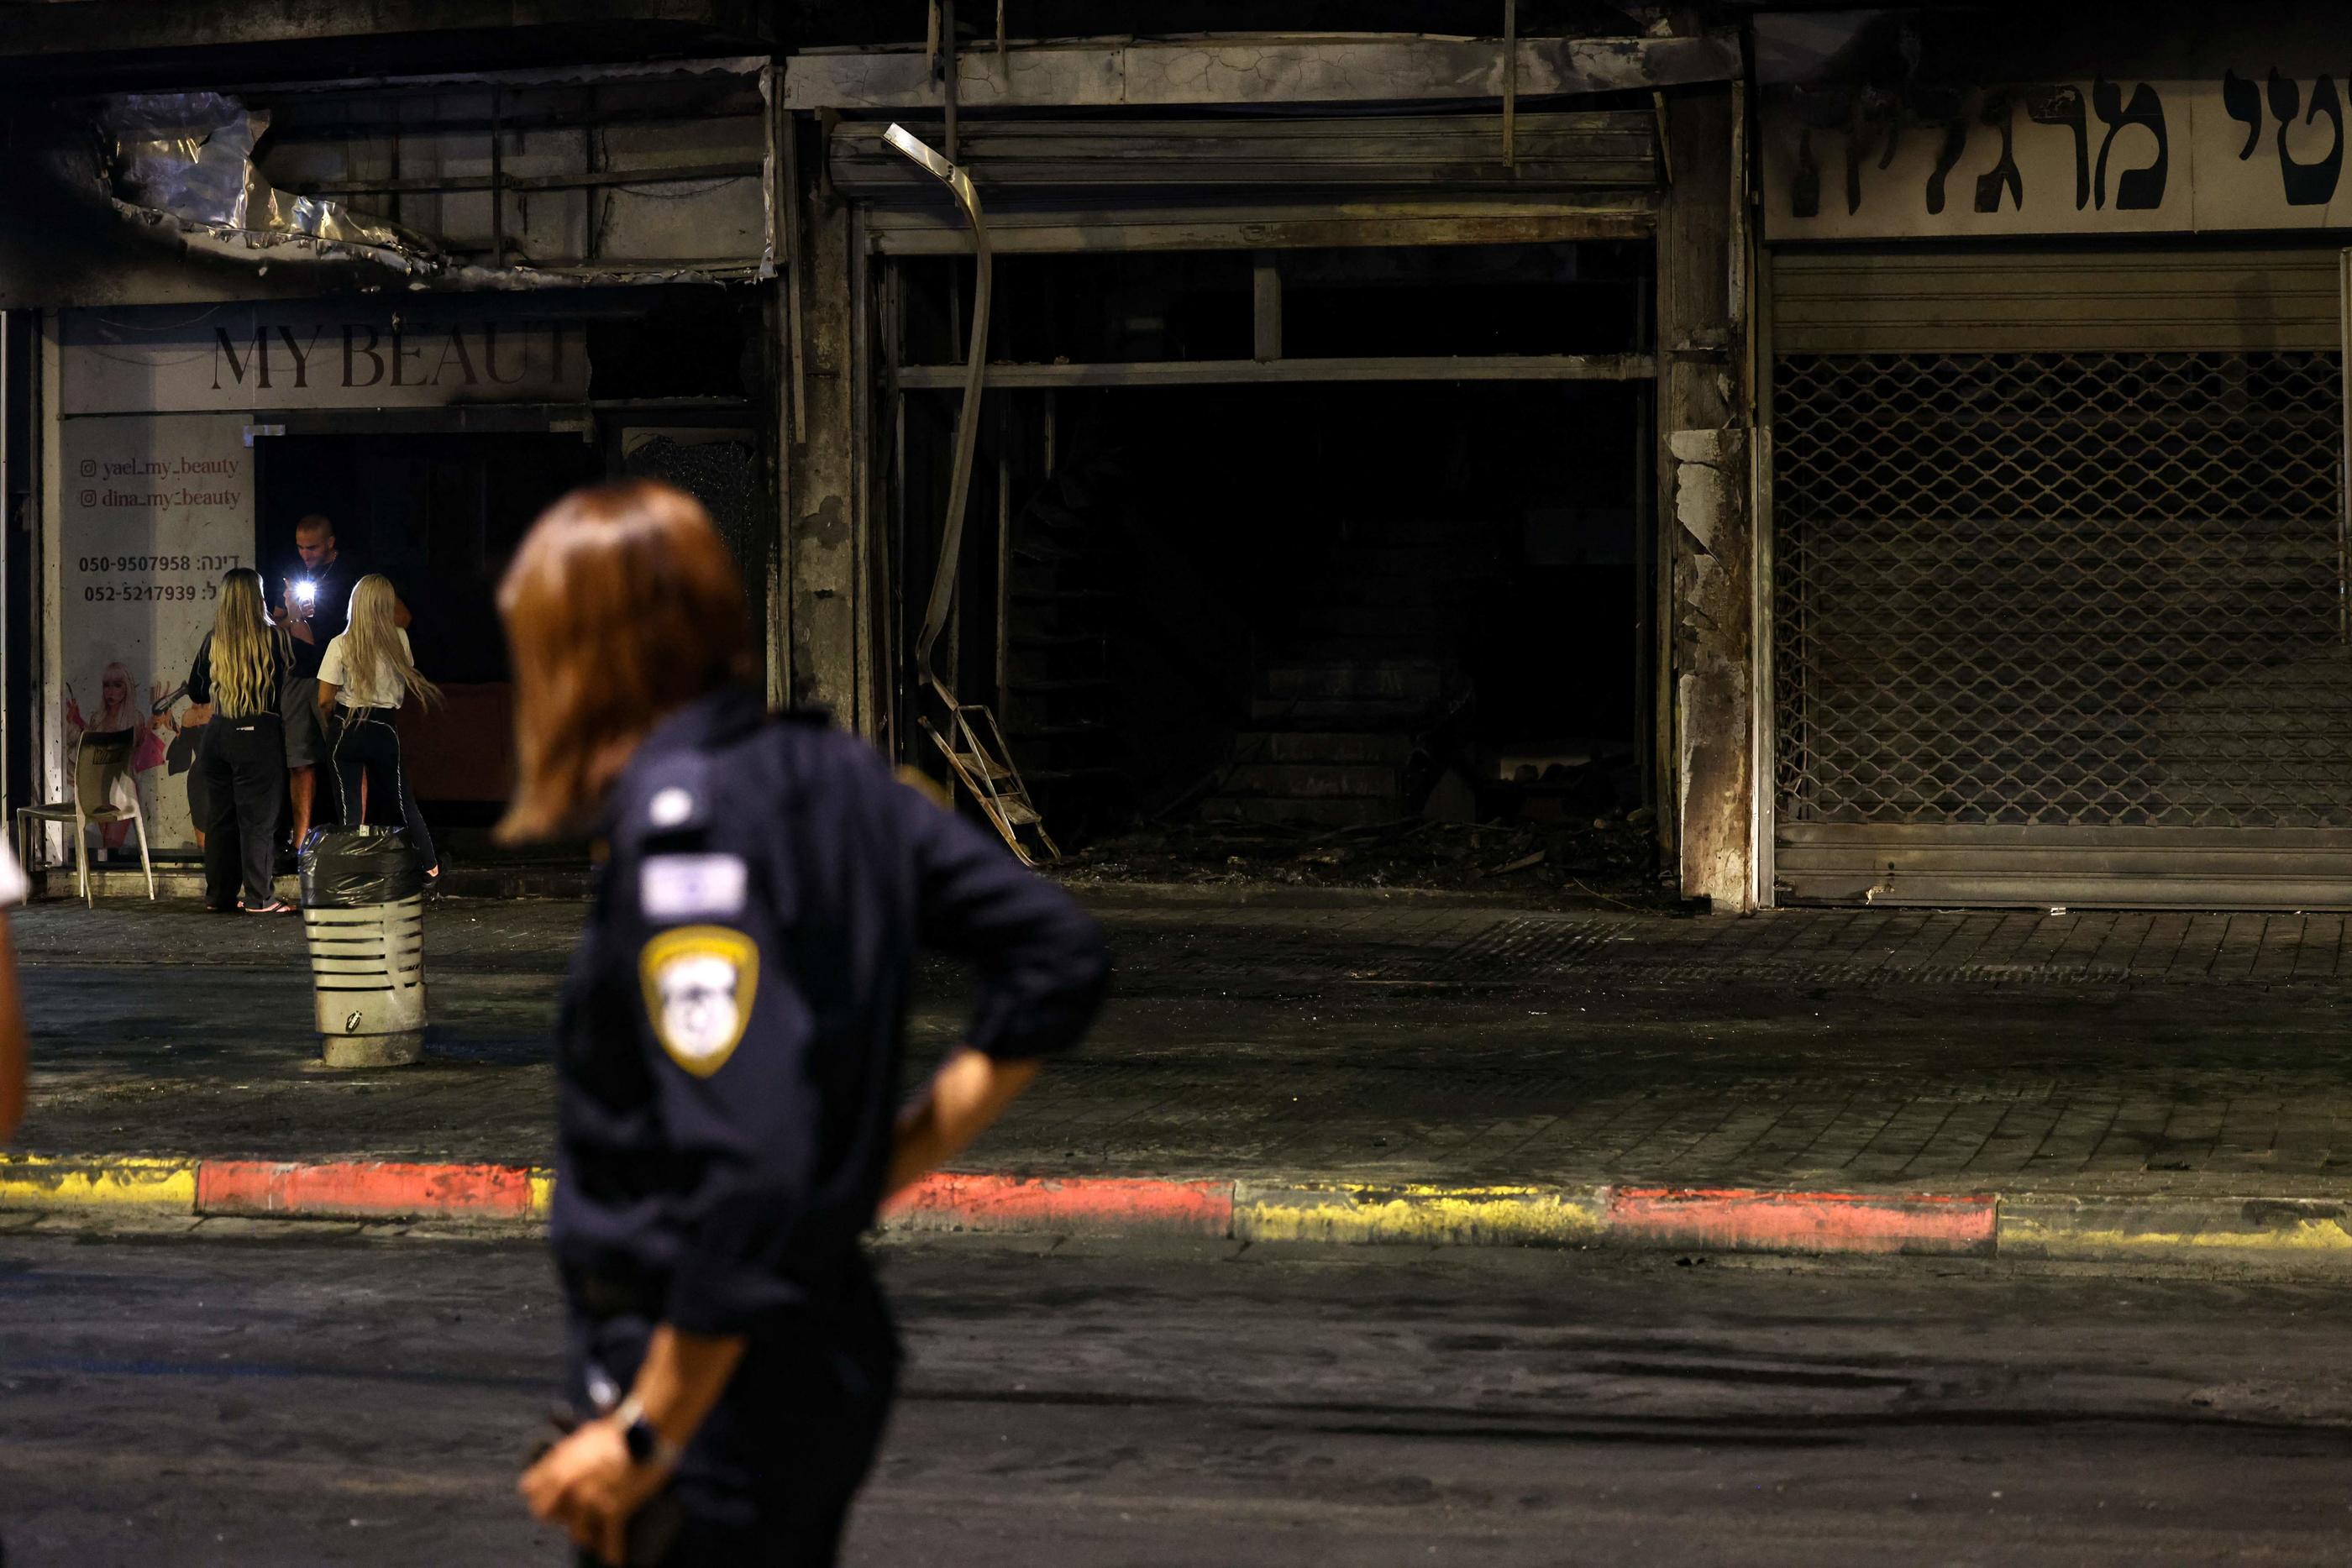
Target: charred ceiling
<point>128,44</point>
<point>102,44</point>
<point>501,179</point>
<point>841,22</point>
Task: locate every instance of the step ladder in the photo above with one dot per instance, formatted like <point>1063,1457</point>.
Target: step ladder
<point>976,754</point>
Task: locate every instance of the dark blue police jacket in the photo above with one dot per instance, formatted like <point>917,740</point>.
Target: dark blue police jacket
<point>732,1023</point>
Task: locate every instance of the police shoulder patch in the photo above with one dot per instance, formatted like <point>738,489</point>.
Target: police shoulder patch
<point>698,982</point>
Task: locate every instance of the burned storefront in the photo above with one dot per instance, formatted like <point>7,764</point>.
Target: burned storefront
<point>2055,403</point>
<point>420,308</point>
<point>1355,435</point>
<point>1314,477</point>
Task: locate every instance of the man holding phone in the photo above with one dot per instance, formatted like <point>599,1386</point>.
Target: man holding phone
<point>313,605</point>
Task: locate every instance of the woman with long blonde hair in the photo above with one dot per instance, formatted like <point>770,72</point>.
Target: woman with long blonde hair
<point>240,670</point>
<point>368,671</point>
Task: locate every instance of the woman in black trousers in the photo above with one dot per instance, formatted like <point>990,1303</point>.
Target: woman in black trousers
<point>366,670</point>
<point>240,670</point>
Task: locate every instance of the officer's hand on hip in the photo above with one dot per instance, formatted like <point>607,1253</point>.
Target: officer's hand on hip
<point>590,1486</point>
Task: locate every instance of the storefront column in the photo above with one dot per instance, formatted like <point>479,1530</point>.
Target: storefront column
<point>1704,501</point>
<point>821,513</point>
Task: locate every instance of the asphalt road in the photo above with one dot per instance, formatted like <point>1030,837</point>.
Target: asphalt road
<point>279,1395</point>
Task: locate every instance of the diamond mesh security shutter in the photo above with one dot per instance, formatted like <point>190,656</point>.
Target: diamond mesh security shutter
<point>2082,589</point>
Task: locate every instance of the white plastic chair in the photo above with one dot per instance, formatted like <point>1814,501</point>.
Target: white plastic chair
<point>104,791</point>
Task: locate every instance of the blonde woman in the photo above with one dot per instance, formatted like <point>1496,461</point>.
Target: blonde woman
<point>368,672</point>
<point>241,670</point>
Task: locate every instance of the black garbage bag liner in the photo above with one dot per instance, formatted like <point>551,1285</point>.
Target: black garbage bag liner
<point>343,867</point>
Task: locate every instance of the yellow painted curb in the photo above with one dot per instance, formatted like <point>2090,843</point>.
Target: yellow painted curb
<point>542,1192</point>
<point>2095,1228</point>
<point>1419,1215</point>
<point>80,1186</point>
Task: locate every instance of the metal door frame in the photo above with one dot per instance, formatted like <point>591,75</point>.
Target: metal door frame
<point>884,382</point>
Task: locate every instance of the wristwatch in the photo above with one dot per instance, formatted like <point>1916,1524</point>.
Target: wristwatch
<point>644,1440</point>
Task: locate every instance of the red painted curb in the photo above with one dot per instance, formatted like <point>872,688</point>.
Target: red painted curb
<point>1696,1218</point>
<point>363,1189</point>
<point>946,1201</point>
<point>1733,1221</point>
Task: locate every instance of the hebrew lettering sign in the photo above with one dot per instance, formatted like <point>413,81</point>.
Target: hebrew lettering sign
<point>2260,151</point>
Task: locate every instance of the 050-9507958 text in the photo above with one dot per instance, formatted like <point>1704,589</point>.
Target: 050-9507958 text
<point>104,563</point>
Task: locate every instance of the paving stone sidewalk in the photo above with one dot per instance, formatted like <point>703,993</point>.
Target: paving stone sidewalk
<point>1396,1038</point>
<point>1188,938</point>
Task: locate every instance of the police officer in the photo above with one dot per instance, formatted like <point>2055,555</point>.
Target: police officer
<point>729,1044</point>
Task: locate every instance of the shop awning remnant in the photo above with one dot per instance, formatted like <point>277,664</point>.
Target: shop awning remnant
<point>187,159</point>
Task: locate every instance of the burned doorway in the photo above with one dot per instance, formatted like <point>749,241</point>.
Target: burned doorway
<point>440,515</point>
<point>1331,539</point>
<point>438,498</point>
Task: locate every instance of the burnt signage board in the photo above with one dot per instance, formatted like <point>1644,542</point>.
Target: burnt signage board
<point>243,358</point>
<point>2249,152</point>
<point>2168,117</point>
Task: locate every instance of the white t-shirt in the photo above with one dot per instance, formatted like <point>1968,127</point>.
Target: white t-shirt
<point>12,886</point>
<point>388,690</point>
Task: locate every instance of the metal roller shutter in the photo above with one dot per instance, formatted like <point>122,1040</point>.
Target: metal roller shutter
<point>2058,580</point>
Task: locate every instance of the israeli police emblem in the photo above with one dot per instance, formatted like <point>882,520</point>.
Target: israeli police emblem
<point>698,981</point>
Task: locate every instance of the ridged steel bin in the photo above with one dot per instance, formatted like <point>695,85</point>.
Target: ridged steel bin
<point>364,914</point>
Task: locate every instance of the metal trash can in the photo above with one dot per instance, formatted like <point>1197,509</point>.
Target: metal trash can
<point>363,913</point>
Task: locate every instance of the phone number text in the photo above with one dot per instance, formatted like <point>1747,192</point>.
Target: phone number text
<point>103,564</point>
<point>140,592</point>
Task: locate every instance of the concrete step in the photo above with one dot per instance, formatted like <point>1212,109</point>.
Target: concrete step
<point>1412,532</point>
<point>1038,642</point>
<point>1457,559</point>
<point>181,880</point>
<point>1323,813</point>
<point>1339,713</point>
<point>1424,591</point>
<point>1360,650</point>
<point>1387,680</point>
<point>1417,623</point>
<point>1315,781</point>
<point>1386,747</point>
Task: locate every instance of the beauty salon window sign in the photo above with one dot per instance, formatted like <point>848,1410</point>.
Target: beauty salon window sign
<point>154,508</point>
<point>237,358</point>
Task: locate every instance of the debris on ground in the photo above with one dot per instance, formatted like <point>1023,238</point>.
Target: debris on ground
<point>1610,858</point>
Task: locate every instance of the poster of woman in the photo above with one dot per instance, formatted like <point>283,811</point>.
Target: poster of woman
<point>140,564</point>
<point>120,708</point>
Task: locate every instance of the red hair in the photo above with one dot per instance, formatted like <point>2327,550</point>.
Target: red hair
<point>622,606</point>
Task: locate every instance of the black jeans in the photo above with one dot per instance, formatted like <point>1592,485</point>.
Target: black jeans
<point>242,763</point>
<point>768,1480</point>
<point>366,746</point>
